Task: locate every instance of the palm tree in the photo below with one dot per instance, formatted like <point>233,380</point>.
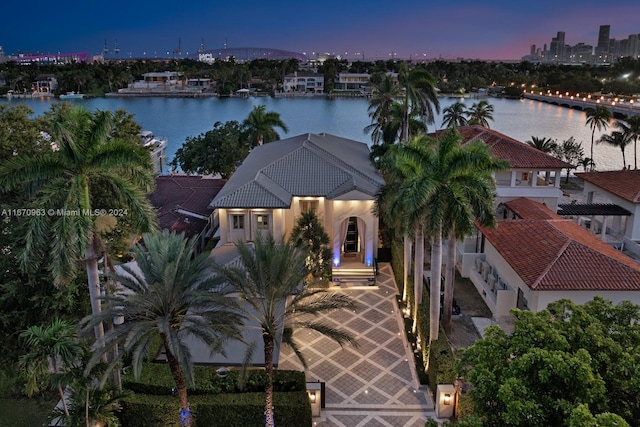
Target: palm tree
<point>546,145</point>
<point>88,161</point>
<point>439,186</point>
<point>631,127</point>
<point>384,94</point>
<point>454,115</point>
<point>419,94</point>
<point>468,196</point>
<point>597,118</point>
<point>618,139</point>
<point>173,295</point>
<point>455,173</point>
<point>401,203</point>
<point>269,274</point>
<point>52,350</point>
<point>260,124</point>
<point>480,113</point>
<point>392,131</point>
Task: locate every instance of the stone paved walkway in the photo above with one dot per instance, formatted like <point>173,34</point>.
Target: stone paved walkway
<point>374,384</point>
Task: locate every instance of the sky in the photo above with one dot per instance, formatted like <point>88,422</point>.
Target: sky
<point>364,29</point>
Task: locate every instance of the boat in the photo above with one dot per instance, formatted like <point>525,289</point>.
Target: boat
<point>72,95</point>
<point>157,147</point>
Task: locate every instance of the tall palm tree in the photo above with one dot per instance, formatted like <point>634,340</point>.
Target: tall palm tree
<point>385,93</point>
<point>631,127</point>
<point>260,124</point>
<point>52,350</point>
<point>480,113</point>
<point>401,203</point>
<point>269,274</point>
<point>468,196</point>
<point>393,130</point>
<point>440,186</point>
<point>597,118</point>
<point>395,211</point>
<point>173,295</point>
<point>546,145</point>
<point>454,115</point>
<point>64,182</point>
<point>419,95</point>
<point>617,139</point>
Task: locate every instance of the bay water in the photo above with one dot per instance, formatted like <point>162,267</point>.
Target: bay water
<point>179,118</point>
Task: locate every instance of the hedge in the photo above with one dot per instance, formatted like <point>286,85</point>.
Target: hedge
<point>291,409</point>
<point>156,379</point>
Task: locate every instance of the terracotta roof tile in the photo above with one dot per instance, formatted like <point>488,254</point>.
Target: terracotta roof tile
<point>187,193</point>
<point>624,183</point>
<point>558,254</point>
<point>519,154</point>
<point>528,209</point>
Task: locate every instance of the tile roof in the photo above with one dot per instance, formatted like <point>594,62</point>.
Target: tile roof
<point>623,183</point>
<point>519,154</point>
<point>528,209</point>
<point>180,201</point>
<point>315,165</point>
<point>559,255</point>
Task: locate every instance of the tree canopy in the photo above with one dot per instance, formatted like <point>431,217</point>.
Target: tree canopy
<point>218,151</point>
<point>559,365</point>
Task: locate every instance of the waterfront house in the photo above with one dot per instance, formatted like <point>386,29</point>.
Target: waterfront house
<point>535,257</point>
<point>44,85</point>
<point>303,82</point>
<point>622,189</point>
<point>352,82</point>
<point>157,81</point>
<point>532,174</point>
<point>330,175</point>
<point>182,205</point>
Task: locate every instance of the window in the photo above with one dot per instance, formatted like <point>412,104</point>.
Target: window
<point>309,206</point>
<point>262,222</point>
<point>238,222</point>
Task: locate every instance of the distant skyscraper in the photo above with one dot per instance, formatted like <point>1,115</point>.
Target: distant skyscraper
<point>533,50</point>
<point>556,48</point>
<point>602,50</point>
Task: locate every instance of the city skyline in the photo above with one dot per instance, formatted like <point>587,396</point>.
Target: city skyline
<point>495,29</point>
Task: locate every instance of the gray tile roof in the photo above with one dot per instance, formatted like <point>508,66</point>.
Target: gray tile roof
<point>314,165</point>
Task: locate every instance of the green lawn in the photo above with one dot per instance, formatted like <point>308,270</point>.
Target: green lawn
<point>25,412</point>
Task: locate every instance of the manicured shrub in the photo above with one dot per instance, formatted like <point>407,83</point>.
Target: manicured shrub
<point>156,379</point>
<point>229,410</point>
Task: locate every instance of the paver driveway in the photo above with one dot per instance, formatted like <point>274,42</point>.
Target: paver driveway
<point>374,384</point>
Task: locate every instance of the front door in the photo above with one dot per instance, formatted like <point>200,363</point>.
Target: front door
<point>351,239</point>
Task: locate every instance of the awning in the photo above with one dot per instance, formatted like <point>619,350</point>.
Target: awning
<point>588,209</point>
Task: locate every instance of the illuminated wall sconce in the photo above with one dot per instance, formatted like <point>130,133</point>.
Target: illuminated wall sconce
<point>312,397</point>
<point>119,319</point>
<point>447,399</point>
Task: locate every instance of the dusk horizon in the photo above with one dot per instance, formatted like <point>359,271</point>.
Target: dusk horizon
<point>495,30</point>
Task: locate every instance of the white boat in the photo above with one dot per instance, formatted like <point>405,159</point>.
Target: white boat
<point>157,147</point>
<point>72,95</point>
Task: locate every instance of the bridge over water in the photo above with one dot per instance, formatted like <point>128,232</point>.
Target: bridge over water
<point>619,107</point>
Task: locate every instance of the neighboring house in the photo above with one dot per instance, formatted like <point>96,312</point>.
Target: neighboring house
<point>330,175</point>
<point>622,189</point>
<point>163,81</point>
<point>536,257</point>
<point>533,174</point>
<point>352,82</point>
<point>44,84</point>
<point>303,81</point>
<point>182,205</point>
